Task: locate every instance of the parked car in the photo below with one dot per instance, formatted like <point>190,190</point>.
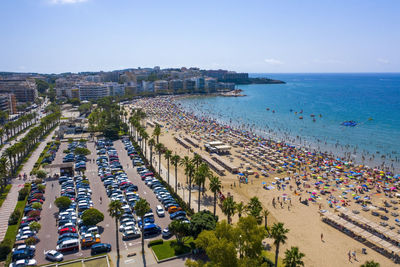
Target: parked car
<point>54,255</point>
<point>100,248</point>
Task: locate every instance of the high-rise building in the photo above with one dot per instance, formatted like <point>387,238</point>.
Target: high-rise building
<point>160,86</point>
<point>92,91</point>
<point>8,103</point>
<point>189,85</point>
<point>210,84</point>
<point>200,84</point>
<point>23,89</point>
<point>175,85</point>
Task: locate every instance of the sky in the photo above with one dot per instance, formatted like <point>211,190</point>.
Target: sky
<point>54,36</point>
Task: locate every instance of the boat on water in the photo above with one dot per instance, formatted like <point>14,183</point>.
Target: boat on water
<point>301,117</point>
<point>267,109</point>
<point>312,115</point>
<point>349,123</point>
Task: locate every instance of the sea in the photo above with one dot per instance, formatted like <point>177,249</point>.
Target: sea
<point>309,110</point>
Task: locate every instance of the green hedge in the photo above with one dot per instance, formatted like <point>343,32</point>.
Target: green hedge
<point>12,231</point>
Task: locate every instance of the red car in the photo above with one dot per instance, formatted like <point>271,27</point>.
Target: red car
<point>67,230</point>
<point>147,174</point>
<point>33,200</point>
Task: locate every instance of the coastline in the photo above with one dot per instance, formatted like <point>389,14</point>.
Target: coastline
<point>303,220</point>
<point>341,151</point>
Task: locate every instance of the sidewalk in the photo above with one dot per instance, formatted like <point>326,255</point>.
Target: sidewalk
<point>12,198</point>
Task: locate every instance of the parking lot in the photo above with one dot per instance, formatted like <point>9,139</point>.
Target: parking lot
<point>48,234</point>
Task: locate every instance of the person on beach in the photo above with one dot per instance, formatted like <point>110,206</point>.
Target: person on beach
<point>349,254</point>
<point>322,237</point>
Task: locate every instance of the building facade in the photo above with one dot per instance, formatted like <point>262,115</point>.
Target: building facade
<point>8,103</point>
<point>23,89</point>
<point>92,91</point>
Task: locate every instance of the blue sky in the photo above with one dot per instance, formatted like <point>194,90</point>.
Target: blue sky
<point>53,36</point>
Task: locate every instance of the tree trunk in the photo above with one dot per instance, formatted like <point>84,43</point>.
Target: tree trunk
<point>176,179</point>
<point>159,164</point>
<point>142,235</point>
<point>276,255</point>
<point>198,204</point>
<point>168,170</point>
<point>215,202</point>
<point>190,190</point>
<point>116,236</point>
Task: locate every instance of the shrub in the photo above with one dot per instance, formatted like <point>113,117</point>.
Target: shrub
<point>36,206</point>
<point>62,202</point>
<point>92,217</point>
<point>155,242</point>
<point>66,151</point>
<point>14,217</point>
<point>41,174</point>
<point>34,213</point>
<point>41,187</point>
<point>35,226</point>
<point>38,181</point>
<point>23,193</point>
<point>30,241</point>
<point>5,248</point>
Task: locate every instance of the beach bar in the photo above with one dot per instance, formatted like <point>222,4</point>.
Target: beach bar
<point>182,142</point>
<point>191,141</point>
<point>226,164</point>
<point>213,165</point>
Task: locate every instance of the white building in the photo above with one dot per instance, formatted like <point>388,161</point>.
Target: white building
<point>93,91</point>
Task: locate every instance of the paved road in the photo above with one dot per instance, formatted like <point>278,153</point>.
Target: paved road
<point>48,234</point>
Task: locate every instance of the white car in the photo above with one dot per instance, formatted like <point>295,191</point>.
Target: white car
<point>160,211</point>
<point>22,263</point>
<point>54,255</point>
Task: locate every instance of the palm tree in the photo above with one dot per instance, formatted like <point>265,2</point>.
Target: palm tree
<point>240,208</point>
<point>4,171</point>
<point>157,132</point>
<point>215,187</point>
<point>185,161</point>
<point>190,173</point>
<point>370,264</point>
<point>160,149</point>
<point>278,233</point>
<point>115,210</point>
<point>1,136</point>
<point>200,178</point>
<point>141,208</point>
<point>10,153</point>
<point>151,145</point>
<point>197,160</point>
<point>265,213</point>
<point>293,257</point>
<point>167,156</point>
<point>175,161</point>
<point>229,207</point>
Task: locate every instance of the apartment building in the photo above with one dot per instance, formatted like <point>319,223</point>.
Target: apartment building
<point>23,89</point>
<point>8,103</point>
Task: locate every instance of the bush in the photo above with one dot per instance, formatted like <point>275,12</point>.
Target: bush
<point>41,187</point>
<point>41,174</point>
<point>14,217</point>
<point>23,193</point>
<point>34,213</point>
<point>38,181</point>
<point>92,217</point>
<point>62,202</point>
<point>155,242</point>
<point>30,241</point>
<point>35,226</point>
<point>36,206</point>
<point>5,248</point>
<point>66,151</point>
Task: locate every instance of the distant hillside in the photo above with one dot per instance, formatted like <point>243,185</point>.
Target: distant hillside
<point>252,81</point>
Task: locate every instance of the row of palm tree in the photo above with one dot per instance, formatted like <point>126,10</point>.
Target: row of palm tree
<point>12,128</point>
<point>195,169</point>
<point>14,154</point>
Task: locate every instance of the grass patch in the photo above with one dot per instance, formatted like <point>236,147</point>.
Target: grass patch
<point>3,195</point>
<point>73,264</point>
<point>102,262</point>
<point>271,256</point>
<point>170,249</point>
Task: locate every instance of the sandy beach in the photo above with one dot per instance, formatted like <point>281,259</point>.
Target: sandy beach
<point>300,188</point>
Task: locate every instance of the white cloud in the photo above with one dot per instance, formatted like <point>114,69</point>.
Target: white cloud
<point>273,61</point>
<point>328,61</point>
<point>67,1</point>
<point>383,61</point>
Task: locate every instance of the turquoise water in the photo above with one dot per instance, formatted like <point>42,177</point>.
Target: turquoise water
<point>337,97</point>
